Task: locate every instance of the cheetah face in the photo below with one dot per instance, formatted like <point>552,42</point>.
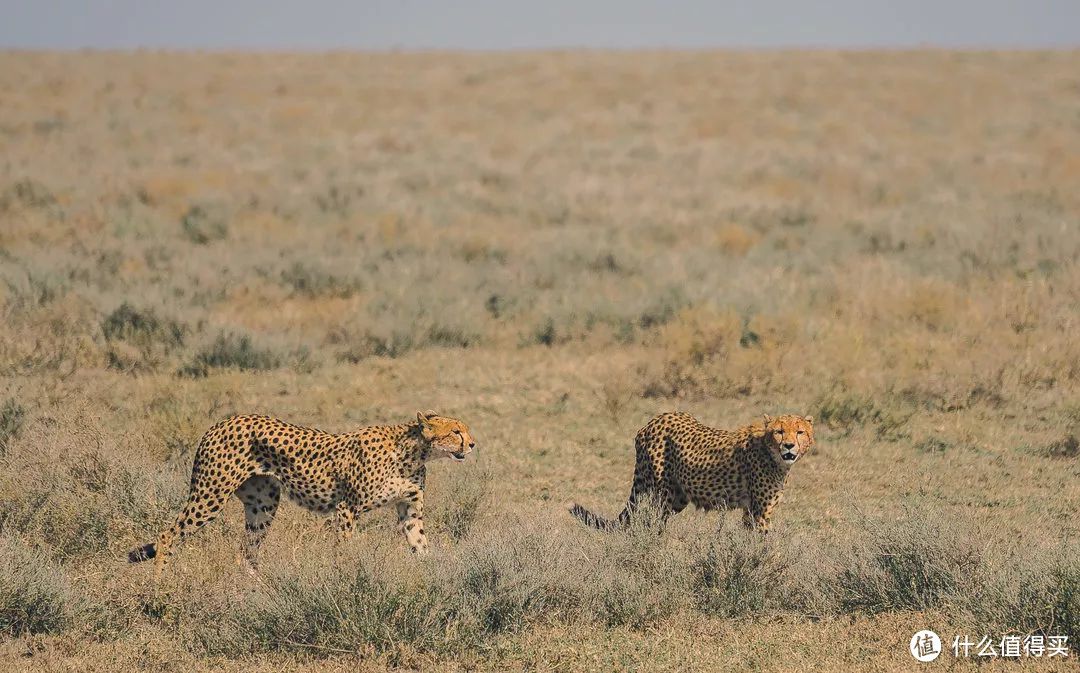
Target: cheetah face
<point>449,437</point>
<point>789,437</point>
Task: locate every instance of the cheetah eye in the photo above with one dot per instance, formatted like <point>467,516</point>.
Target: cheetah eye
<point>801,432</point>
<point>457,432</point>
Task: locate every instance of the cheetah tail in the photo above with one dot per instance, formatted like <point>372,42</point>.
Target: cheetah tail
<point>596,521</point>
<point>143,553</point>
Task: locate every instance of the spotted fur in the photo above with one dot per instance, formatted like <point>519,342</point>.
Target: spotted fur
<point>258,458</point>
<point>682,461</point>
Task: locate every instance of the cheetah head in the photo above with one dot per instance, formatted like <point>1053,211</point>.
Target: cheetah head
<point>788,437</point>
<point>449,437</point>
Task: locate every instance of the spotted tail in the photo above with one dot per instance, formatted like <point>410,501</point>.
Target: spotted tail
<point>593,520</point>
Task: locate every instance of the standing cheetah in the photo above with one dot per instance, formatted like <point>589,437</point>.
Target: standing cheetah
<point>255,458</point>
<point>681,461</point>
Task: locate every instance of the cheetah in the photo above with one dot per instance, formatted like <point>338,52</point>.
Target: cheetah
<point>257,458</point>
<point>682,461</point>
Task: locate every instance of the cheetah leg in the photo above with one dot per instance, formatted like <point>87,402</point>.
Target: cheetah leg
<point>346,521</point>
<point>679,501</point>
<point>665,504</point>
<point>644,486</point>
<point>260,496</point>
<point>211,486</point>
<point>202,507</point>
<point>749,519</point>
<point>411,519</point>
<point>758,514</point>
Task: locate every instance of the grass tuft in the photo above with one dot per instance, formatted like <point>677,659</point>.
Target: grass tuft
<point>309,281</point>
<point>139,339</point>
<point>463,499</point>
<point>1065,447</point>
<point>918,564</point>
<point>12,417</point>
<point>203,224</point>
<point>26,193</point>
<point>35,596</point>
<point>230,351</point>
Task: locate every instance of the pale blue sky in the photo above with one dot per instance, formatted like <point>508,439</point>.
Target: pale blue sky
<point>491,24</point>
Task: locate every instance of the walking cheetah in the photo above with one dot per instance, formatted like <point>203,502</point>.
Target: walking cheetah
<point>255,458</point>
<point>681,461</point>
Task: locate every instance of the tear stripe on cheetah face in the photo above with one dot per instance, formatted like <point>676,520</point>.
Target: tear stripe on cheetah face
<point>450,438</point>
<point>258,459</point>
<point>788,437</point>
<point>682,461</point>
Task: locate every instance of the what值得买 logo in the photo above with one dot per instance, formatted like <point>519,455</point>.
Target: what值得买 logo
<point>925,645</point>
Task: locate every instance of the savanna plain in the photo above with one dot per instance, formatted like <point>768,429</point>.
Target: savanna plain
<point>553,247</point>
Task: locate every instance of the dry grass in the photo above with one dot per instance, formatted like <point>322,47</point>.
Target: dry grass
<point>554,247</point>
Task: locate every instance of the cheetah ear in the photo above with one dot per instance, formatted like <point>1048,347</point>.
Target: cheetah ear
<point>431,414</point>
<point>425,425</point>
<point>768,419</point>
<point>809,419</point>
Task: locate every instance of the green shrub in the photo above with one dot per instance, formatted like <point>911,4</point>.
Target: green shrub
<point>230,351</point>
<point>76,502</point>
<point>741,574</point>
<point>1064,447</point>
<point>463,498</point>
<point>35,596</point>
<point>141,326</point>
<point>307,281</point>
<point>203,224</point>
<point>496,589</point>
<point>337,200</point>
<point>330,609</point>
<point>12,417</point>
<point>148,337</point>
<point>932,445</point>
<point>395,343</point>
<point>845,411</point>
<point>33,290</point>
<point>662,309</point>
<point>915,564</point>
<point>1029,591</point>
<point>451,337</point>
<point>26,193</point>
<point>641,578</point>
<point>545,334</point>
<point>1065,606</point>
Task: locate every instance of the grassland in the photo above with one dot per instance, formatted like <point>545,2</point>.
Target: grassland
<point>553,247</point>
